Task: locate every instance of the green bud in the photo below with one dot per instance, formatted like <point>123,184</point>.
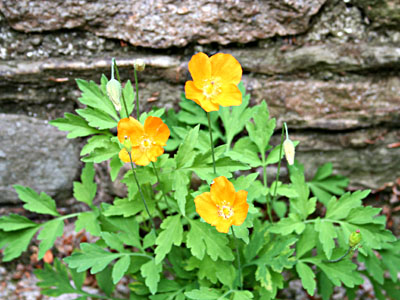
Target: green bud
<point>128,145</point>
<point>288,148</point>
<point>355,238</point>
<point>139,65</point>
<point>114,91</point>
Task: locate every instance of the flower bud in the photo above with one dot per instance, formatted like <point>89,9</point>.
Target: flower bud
<point>355,238</point>
<point>139,65</point>
<point>128,145</point>
<point>114,91</point>
<point>288,148</point>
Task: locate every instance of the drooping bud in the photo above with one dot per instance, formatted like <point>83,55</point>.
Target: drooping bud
<point>288,147</point>
<point>354,238</point>
<point>114,91</point>
<point>139,65</point>
<point>127,145</point>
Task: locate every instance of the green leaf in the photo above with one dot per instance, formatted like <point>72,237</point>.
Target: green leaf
<point>93,96</point>
<point>96,118</point>
<point>235,118</point>
<point>203,238</point>
<point>246,152</point>
<point>307,277</point>
<point>288,225</point>
<point>242,295</point>
<point>129,230</point>
<point>263,127</point>
<point>99,155</point>
<point>15,242</point>
<point>342,271</point>
<point>42,204</point>
<point>120,268</point>
<point>324,184</point>
<point>129,96</point>
<point>184,157</point>
<point>203,294</point>
<point>14,222</point>
<point>180,186</point>
<point>76,125</point>
<point>113,241</point>
<point>86,191</point>
<point>172,234</point>
<point>151,272</point>
<point>340,209</point>
<point>88,221</point>
<point>327,234</point>
<point>96,141</point>
<point>48,235</point>
<point>78,278</point>
<point>104,281</point>
<point>54,281</point>
<point>325,286</point>
<point>115,166</point>
<point>124,207</point>
<point>149,240</point>
<point>307,241</point>
<point>92,257</point>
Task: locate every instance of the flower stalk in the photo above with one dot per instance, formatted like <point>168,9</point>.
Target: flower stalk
<point>238,260</point>
<point>159,182</point>
<point>115,68</point>
<point>211,142</point>
<point>137,93</point>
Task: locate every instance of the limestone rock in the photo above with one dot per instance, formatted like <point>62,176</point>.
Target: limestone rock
<point>166,23</point>
<point>35,154</point>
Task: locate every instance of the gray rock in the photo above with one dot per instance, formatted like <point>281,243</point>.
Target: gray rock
<point>166,23</point>
<point>35,154</point>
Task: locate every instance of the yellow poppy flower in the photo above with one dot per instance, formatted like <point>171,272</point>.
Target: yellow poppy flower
<point>147,141</point>
<point>222,207</point>
<point>215,81</point>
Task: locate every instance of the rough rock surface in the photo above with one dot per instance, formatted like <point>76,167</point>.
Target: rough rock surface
<point>35,154</point>
<point>166,23</point>
<point>327,68</point>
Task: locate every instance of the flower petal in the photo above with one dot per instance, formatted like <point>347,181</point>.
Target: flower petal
<point>240,207</point>
<point>193,93</point>
<point>230,96</point>
<point>222,190</point>
<point>200,68</point>
<point>226,67</point>
<point>223,225</point>
<point>124,156</point>
<point>129,128</point>
<point>139,157</point>
<point>154,152</point>
<point>156,130</point>
<point>206,208</point>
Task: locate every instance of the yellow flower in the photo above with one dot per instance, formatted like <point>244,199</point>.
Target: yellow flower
<point>215,81</point>
<point>222,207</point>
<point>146,141</point>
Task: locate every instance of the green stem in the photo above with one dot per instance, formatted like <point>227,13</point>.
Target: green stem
<point>265,187</point>
<point>279,166</point>
<point>159,182</point>
<point>141,194</point>
<point>119,79</point>
<point>211,141</point>
<point>238,259</point>
<point>68,216</point>
<point>137,94</point>
<point>340,258</point>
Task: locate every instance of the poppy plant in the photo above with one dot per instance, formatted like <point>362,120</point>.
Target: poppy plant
<point>215,81</point>
<point>146,142</point>
<point>222,207</point>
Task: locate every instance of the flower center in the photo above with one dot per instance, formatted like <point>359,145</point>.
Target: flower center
<point>212,87</point>
<point>146,143</point>
<point>225,210</point>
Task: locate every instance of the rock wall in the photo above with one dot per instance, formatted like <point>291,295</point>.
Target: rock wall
<point>329,68</point>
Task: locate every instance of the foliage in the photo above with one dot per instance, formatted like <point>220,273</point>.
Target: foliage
<point>186,258</point>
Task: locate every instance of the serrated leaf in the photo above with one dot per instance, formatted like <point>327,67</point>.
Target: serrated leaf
<point>115,166</point>
<point>342,271</point>
<point>129,96</point>
<point>288,225</point>
<point>75,125</point>
<point>327,234</point>
<point>48,235</point>
<point>96,141</point>
<point>172,234</point>
<point>104,281</point>
<point>54,281</point>
<point>307,241</point>
<point>96,118</point>
<point>86,191</point>
<point>15,242</point>
<point>120,268</point>
<point>99,155</point>
<point>242,295</point>
<point>113,241</point>
<point>180,186</point>
<point>14,222</point>
<point>203,238</point>
<point>88,221</point>
<point>307,277</point>
<point>93,96</point>
<point>129,230</point>
<point>263,127</point>
<point>92,257</point>
<point>203,294</point>
<point>340,209</point>
<point>151,272</point>
<point>184,157</point>
<point>42,204</point>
